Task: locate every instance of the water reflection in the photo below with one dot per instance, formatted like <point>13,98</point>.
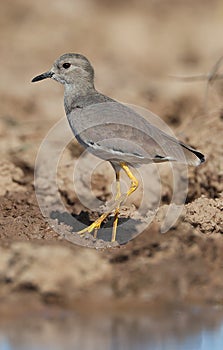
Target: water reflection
<point>178,330</point>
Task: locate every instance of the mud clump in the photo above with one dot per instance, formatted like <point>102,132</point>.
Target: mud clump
<point>206,215</point>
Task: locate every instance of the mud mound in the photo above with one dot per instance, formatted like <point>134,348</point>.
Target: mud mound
<point>10,178</point>
<point>206,215</point>
<point>21,218</point>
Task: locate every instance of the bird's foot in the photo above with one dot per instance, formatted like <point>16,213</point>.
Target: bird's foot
<point>95,226</point>
<point>113,206</point>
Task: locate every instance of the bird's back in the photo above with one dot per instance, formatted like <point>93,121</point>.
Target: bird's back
<point>115,132</point>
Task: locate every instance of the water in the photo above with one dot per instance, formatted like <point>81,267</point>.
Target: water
<point>193,329</point>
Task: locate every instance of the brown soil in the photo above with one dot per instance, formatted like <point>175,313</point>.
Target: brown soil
<point>133,49</point>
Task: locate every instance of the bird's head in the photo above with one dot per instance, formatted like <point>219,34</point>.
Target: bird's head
<point>70,69</point>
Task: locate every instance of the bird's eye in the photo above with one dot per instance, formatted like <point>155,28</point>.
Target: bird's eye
<point>66,65</point>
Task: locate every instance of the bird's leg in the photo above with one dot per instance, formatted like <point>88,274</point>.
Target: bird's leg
<point>118,195</point>
<point>118,187</point>
<point>134,181</point>
<point>119,198</point>
<point>95,226</point>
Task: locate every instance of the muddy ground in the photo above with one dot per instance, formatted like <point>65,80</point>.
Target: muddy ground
<point>133,46</point>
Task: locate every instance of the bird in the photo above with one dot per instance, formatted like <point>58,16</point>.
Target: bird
<point>112,131</point>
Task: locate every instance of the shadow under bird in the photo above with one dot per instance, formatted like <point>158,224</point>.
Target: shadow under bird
<point>111,130</point>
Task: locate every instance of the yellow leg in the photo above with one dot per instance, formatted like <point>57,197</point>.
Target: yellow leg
<point>115,224</point>
<point>133,187</point>
<point>118,188</point>
<point>134,181</point>
<point>95,226</point>
<point>118,195</point>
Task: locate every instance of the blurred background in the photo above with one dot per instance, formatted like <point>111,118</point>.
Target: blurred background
<point>129,43</point>
<point>134,46</point>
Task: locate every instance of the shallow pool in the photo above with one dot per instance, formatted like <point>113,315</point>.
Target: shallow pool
<point>182,329</point>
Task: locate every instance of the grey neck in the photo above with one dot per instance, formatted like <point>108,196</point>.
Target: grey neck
<point>75,92</point>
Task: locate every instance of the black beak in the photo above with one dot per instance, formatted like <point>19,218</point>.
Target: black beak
<point>43,76</point>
